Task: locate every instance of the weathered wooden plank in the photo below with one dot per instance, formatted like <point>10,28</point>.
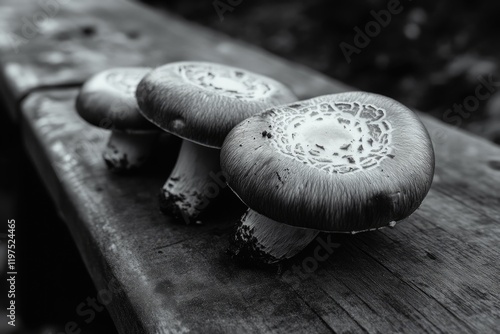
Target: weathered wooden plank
<point>173,277</point>
<point>436,272</point>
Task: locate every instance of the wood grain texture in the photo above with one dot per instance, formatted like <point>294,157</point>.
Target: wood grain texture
<point>436,272</point>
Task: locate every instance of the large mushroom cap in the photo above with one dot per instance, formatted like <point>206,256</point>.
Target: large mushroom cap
<point>202,102</point>
<point>343,162</point>
<point>108,99</point>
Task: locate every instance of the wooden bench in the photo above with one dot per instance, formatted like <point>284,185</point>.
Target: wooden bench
<point>437,272</point>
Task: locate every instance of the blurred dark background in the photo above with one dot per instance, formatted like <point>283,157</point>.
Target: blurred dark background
<point>431,56</point>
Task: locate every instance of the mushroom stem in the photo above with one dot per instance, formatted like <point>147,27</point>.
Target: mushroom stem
<point>263,240</point>
<point>128,150</point>
<point>194,182</point>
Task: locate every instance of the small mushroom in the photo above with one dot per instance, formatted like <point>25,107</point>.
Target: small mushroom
<point>346,162</point>
<point>200,103</point>
<point>108,100</point>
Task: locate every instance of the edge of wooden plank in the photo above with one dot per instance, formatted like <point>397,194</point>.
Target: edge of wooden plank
<point>51,131</point>
<point>302,81</point>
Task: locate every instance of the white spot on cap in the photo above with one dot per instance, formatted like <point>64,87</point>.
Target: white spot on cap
<point>177,124</point>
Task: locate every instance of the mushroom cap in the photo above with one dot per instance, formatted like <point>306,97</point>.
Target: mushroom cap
<point>108,100</point>
<point>202,102</point>
<point>341,163</point>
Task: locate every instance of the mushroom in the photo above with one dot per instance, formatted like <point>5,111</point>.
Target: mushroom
<point>108,100</point>
<point>201,102</point>
<point>346,162</point>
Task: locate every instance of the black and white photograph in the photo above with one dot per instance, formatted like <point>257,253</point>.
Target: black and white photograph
<point>249,166</point>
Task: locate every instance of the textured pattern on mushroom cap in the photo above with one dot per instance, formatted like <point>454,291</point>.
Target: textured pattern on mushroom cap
<point>362,135</point>
<point>299,165</point>
<point>202,101</point>
<point>108,99</point>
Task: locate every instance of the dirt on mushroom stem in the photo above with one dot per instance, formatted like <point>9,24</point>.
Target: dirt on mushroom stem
<point>128,152</point>
<point>193,184</point>
<point>258,239</point>
<point>201,102</point>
